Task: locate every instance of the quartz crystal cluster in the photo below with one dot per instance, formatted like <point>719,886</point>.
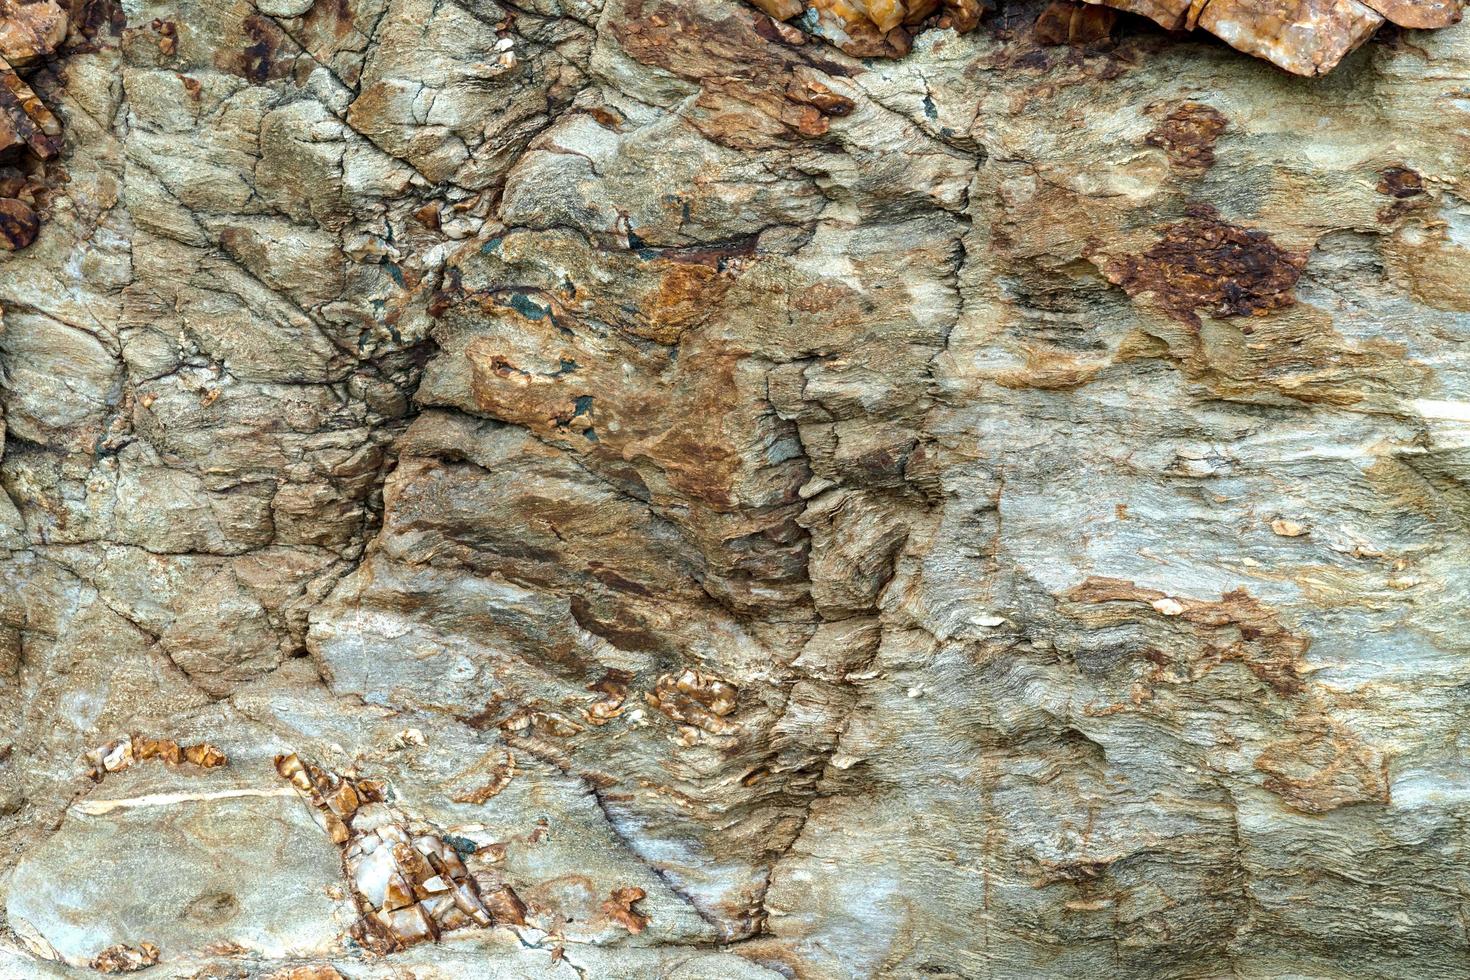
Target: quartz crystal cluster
<point>410,885</point>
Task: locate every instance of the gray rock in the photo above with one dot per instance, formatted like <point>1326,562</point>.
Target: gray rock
<point>190,862</point>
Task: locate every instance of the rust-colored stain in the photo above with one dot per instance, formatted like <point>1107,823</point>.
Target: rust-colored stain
<point>259,60</point>
<point>1204,264</point>
<point>1237,627</point>
<point>1400,182</point>
<point>496,771</point>
<point>1317,763</point>
<point>620,908</point>
<point>1321,766</point>
<point>1188,134</point>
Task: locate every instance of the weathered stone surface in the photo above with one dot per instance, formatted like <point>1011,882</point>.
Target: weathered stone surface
<point>1305,37</point>
<point>189,863</point>
<point>996,512</point>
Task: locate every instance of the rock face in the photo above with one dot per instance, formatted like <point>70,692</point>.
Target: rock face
<point>695,503</point>
<point>1305,37</point>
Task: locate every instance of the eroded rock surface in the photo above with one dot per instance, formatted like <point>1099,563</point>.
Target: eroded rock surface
<point>747,510</point>
<point>1305,37</point>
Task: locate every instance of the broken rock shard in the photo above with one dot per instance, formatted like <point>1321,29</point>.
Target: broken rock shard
<point>30,35</point>
<point>24,120</point>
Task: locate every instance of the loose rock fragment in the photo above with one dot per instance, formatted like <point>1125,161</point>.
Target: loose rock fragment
<point>1305,37</point>
<point>18,224</point>
<point>30,33</point>
<point>1287,528</point>
<point>613,687</point>
<point>125,959</point>
<point>875,28</point>
<point>505,905</point>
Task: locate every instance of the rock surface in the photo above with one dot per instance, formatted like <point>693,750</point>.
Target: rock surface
<point>1305,37</point>
<point>997,512</point>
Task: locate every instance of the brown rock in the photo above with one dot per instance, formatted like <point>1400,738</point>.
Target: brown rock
<point>780,9</point>
<point>18,224</point>
<point>1064,22</point>
<point>878,28</point>
<point>1305,37</point>
<point>1419,13</point>
<point>1206,264</point>
<point>505,906</point>
<point>619,908</point>
<point>24,120</point>
<point>30,32</point>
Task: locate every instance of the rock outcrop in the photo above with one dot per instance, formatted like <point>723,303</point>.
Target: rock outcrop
<point>1305,37</point>
<point>677,497</point>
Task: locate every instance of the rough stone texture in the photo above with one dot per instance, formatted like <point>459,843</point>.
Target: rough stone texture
<point>1305,37</point>
<point>999,512</point>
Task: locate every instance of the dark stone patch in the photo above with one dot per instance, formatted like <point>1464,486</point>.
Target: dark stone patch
<point>1400,182</point>
<point>1204,264</point>
<point>1188,134</point>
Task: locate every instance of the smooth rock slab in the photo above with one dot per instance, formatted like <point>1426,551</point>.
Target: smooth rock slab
<point>184,871</point>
